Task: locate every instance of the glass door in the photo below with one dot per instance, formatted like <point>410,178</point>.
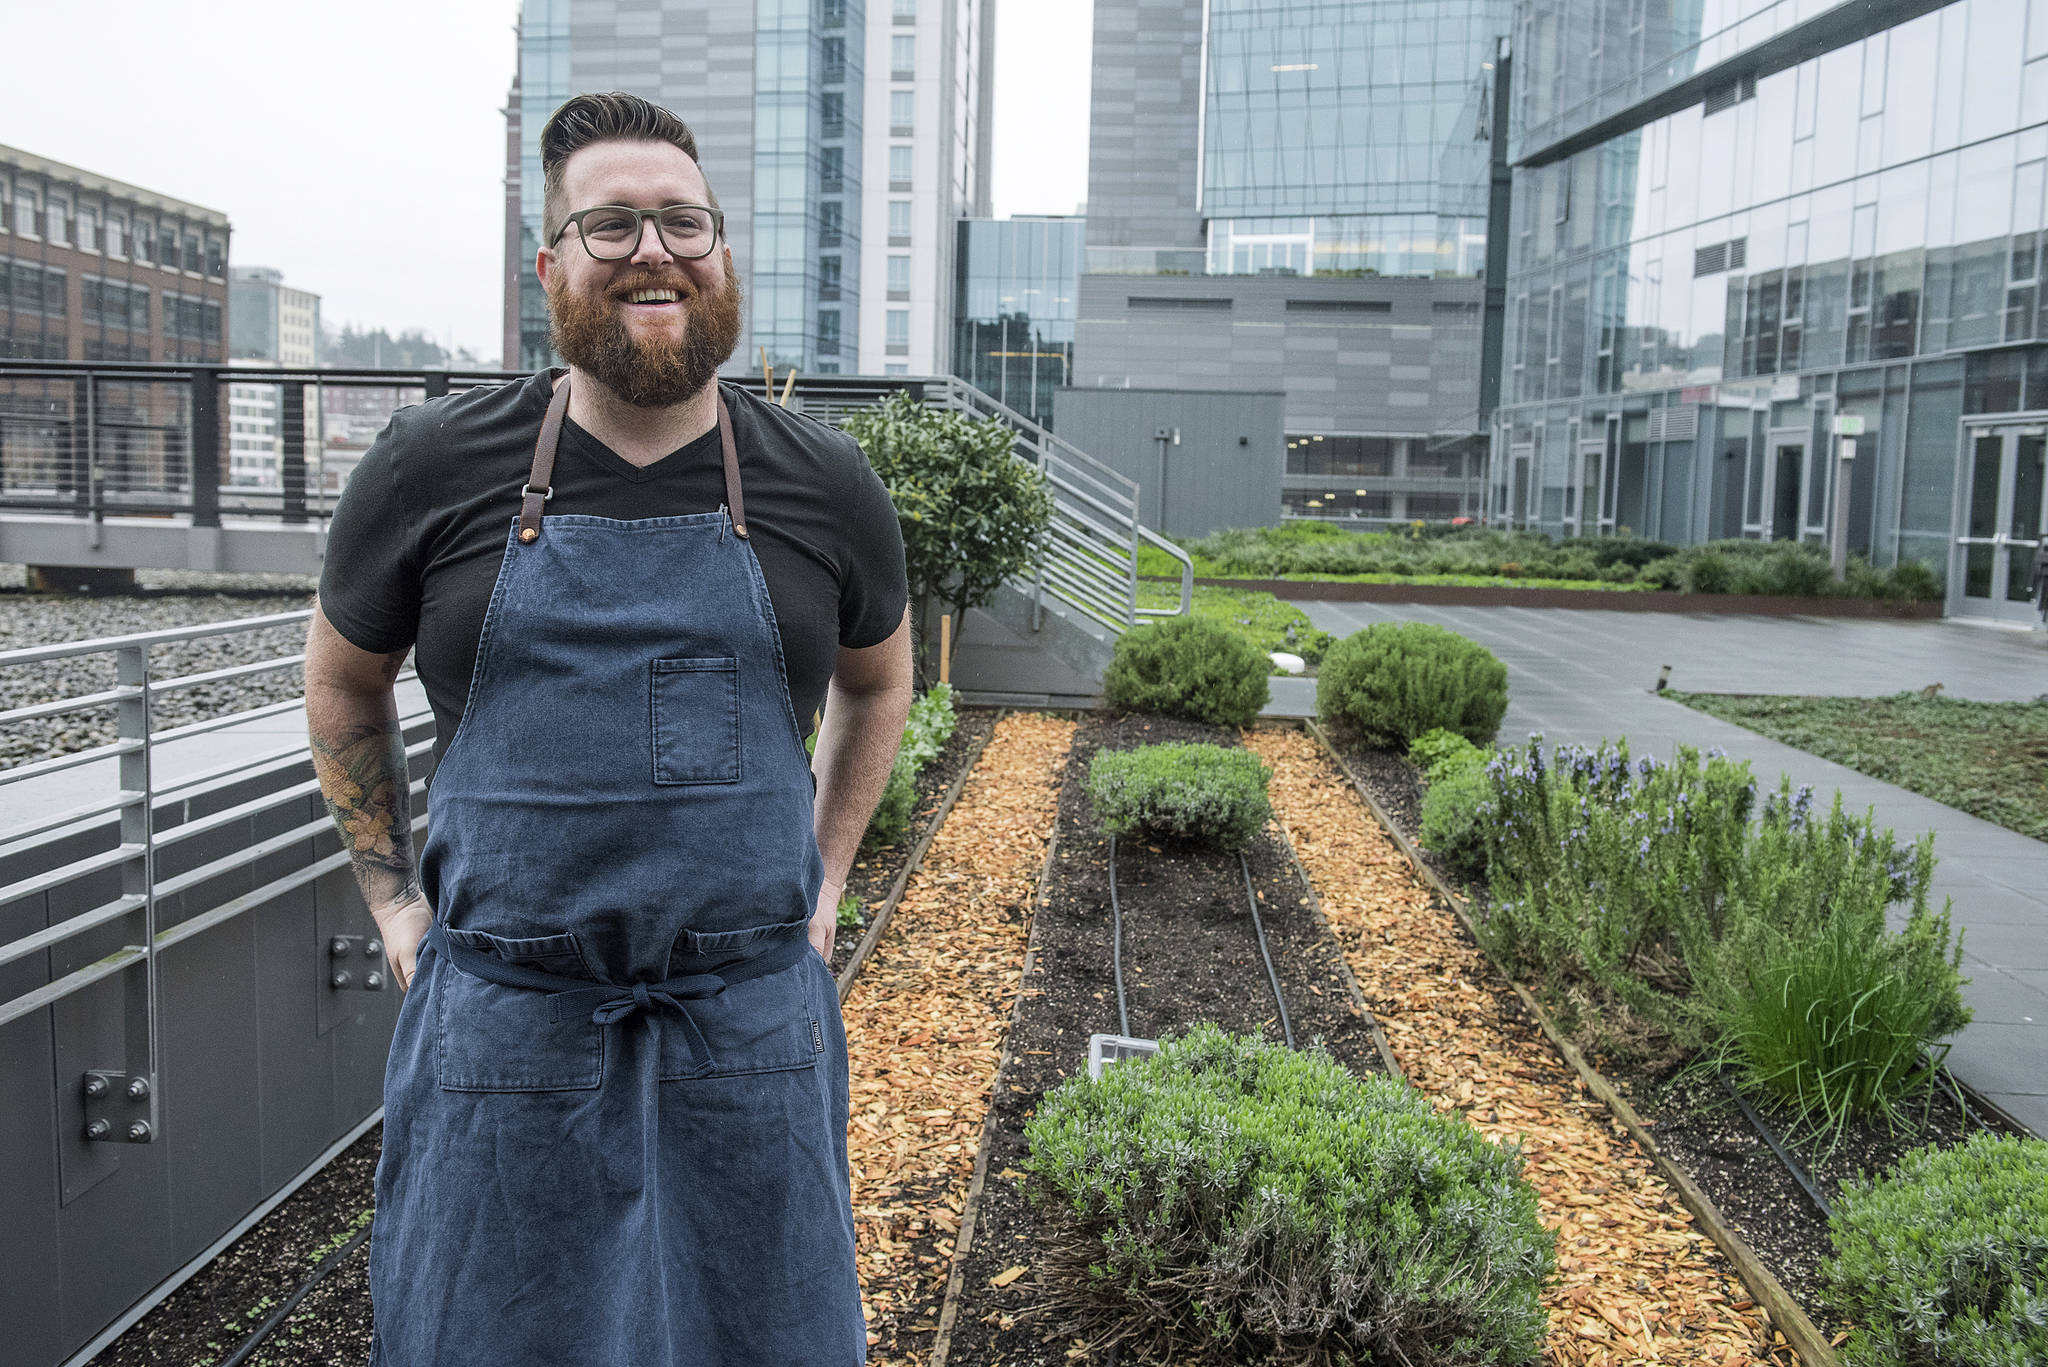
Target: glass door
<point>1774,487</point>
<point>2002,517</point>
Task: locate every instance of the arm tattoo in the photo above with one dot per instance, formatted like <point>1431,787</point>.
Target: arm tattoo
<point>363,777</point>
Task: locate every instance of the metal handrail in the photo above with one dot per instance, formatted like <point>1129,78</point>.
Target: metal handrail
<point>1187,576</point>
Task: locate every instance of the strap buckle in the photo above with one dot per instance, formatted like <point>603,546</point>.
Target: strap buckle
<point>546,495</point>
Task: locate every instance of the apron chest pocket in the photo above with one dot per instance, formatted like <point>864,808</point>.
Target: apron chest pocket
<point>696,720</point>
<point>493,1038</point>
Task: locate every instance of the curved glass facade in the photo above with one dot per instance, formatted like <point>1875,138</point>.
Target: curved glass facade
<point>1826,239</point>
<point>1015,304</point>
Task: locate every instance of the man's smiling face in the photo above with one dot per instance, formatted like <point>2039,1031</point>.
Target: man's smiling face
<point>650,327</point>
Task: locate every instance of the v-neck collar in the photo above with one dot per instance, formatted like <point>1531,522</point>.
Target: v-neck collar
<point>684,457</point>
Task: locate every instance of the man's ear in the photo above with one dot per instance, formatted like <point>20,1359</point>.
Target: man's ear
<point>540,264</point>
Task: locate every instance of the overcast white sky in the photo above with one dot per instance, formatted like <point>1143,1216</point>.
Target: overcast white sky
<point>359,147</point>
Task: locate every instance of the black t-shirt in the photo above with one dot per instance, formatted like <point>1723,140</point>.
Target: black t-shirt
<point>418,535</point>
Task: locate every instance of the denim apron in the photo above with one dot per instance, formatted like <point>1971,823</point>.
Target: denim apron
<point>616,1104</point>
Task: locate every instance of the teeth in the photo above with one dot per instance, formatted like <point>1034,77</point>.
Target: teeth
<point>653,297</point>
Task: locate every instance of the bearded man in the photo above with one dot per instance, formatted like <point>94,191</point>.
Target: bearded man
<point>616,1103</point>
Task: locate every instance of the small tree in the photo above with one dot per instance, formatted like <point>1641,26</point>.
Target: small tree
<point>972,513</point>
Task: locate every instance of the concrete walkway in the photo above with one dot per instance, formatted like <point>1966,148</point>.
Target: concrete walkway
<point>1584,676</point>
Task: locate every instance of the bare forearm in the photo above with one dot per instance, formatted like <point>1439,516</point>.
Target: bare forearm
<point>856,746</point>
<point>359,755</point>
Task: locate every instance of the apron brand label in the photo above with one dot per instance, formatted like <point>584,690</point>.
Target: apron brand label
<point>817,1039</point>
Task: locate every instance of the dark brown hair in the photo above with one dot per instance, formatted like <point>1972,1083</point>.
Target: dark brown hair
<point>615,117</point>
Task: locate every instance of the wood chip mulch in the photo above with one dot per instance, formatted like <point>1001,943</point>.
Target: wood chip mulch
<point>1637,1283</point>
<point>925,1024</point>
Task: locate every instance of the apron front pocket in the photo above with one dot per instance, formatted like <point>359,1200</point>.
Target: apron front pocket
<point>763,1025</point>
<point>493,1038</point>
<point>696,720</point>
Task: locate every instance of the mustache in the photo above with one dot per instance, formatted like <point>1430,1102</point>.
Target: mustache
<point>652,280</point>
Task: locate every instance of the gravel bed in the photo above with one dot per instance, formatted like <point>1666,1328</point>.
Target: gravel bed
<point>161,600</point>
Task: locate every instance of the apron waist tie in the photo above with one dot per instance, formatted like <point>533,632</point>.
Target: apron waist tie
<point>610,1003</point>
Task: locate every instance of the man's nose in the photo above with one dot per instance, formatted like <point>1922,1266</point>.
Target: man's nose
<point>650,248</point>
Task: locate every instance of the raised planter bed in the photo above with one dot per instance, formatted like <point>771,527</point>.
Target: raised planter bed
<point>1190,954</point>
<point>1609,600</point>
<point>1763,1197</point>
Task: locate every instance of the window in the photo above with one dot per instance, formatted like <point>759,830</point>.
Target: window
<point>58,220</point>
<point>828,277</point>
<point>117,235</point>
<point>899,166</point>
<point>899,328</point>
<point>899,222</point>
<point>899,277</point>
<point>88,230</point>
<point>903,57</point>
<point>832,54</point>
<point>828,332</point>
<point>25,212</point>
<point>832,169</point>
<point>145,243</point>
<point>832,13</point>
<point>831,220</point>
<point>138,308</point>
<point>905,11</point>
<point>56,295</point>
<point>833,113</point>
<point>902,112</point>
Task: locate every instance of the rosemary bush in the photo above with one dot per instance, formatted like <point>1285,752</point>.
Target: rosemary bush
<point>1209,794</point>
<point>1238,1197</point>
<point>1944,1263</point>
<point>1194,667</point>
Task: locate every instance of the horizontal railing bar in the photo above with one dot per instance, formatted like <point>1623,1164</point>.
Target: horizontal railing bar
<point>77,704</point>
<point>85,977</point>
<point>21,773</point>
<point>1069,475</point>
<point>243,856</point>
<point>16,835</point>
<point>71,927</point>
<point>282,662</point>
<point>1083,596</point>
<point>1110,590</point>
<point>1112,584</point>
<point>1109,536</point>
<point>242,811</point>
<point>200,728</point>
<point>33,654</point>
<point>1112,505</point>
<point>37,884</point>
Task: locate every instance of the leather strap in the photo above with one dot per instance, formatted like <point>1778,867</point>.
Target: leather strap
<point>733,505</point>
<point>533,498</point>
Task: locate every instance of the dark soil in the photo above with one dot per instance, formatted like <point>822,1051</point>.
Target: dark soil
<point>1190,955</point>
<point>876,866</point>
<point>1701,1129</point>
<point>207,1318</point>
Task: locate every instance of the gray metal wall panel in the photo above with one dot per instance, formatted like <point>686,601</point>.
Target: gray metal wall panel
<point>29,1284</point>
<point>1409,370</point>
<point>212,1111</point>
<point>297,1063</point>
<point>1144,113</point>
<point>1211,480</point>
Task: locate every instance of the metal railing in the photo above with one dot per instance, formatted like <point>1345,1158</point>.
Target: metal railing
<point>137,798</point>
<point>104,439</point>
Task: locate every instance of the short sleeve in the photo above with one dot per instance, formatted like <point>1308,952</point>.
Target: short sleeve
<point>873,589</point>
<point>370,581</point>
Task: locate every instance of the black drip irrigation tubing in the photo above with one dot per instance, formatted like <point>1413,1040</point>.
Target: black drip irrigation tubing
<point>1259,929</point>
<point>283,1312</point>
<point>1777,1146</point>
<point>1116,947</point>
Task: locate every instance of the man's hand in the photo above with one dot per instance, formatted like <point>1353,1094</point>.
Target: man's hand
<point>403,925</point>
<point>825,920</point>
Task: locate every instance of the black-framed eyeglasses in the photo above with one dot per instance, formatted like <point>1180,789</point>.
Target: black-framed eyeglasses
<point>611,232</point>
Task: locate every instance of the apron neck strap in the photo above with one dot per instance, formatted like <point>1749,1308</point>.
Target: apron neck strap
<point>534,497</point>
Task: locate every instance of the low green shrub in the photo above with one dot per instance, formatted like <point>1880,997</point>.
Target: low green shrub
<point>1446,749</point>
<point>1457,809</point>
<point>926,732</point>
<point>1944,1263</point>
<point>1189,667</point>
<point>1209,794</point>
<point>1709,571</point>
<point>1236,1199</point>
<point>1394,681</point>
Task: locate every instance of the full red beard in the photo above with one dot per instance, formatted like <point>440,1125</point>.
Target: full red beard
<point>588,331</point>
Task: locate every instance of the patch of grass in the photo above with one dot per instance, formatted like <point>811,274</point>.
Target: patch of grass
<point>1260,617</point>
<point>1989,759</point>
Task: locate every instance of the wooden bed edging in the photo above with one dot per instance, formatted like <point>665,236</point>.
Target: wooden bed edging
<point>873,935</point>
<point>1608,600</point>
<point>1800,1332</point>
<point>956,1279</point>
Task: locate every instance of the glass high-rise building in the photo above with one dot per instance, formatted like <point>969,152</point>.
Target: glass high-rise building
<point>1292,195</point>
<point>1733,226</point>
<point>843,137</point>
<point>1017,280</point>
